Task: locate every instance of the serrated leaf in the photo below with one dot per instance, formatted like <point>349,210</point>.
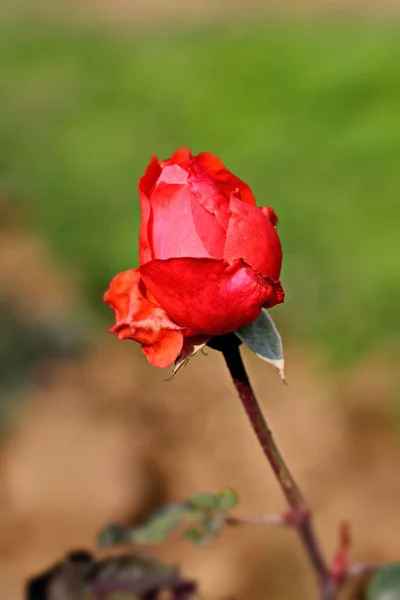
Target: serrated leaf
<point>263,338</point>
<point>192,345</point>
<point>385,584</point>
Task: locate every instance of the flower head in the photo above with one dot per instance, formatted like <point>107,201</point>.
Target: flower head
<point>209,258</point>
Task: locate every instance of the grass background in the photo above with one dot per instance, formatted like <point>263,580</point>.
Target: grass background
<point>308,114</point>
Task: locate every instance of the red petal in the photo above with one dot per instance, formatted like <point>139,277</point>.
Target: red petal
<point>181,157</point>
<point>174,233</point>
<point>173,174</point>
<point>226,181</point>
<point>209,209</point>
<point>252,237</point>
<point>143,321</point>
<point>270,214</point>
<point>208,193</point>
<point>146,185</point>
<point>209,296</point>
<point>208,229</point>
<point>165,350</point>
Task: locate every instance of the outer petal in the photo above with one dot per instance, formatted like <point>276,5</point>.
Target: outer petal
<point>146,185</point>
<point>165,349</point>
<point>209,296</point>
<point>143,321</point>
<point>226,181</point>
<point>252,237</point>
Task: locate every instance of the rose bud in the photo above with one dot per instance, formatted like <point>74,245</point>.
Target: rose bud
<point>209,258</point>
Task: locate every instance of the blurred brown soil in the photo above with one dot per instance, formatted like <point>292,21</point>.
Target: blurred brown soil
<point>104,438</point>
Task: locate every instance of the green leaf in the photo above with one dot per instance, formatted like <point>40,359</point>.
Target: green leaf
<point>209,526</point>
<point>202,516</point>
<point>385,584</point>
<point>195,535</point>
<point>225,500</point>
<point>205,501</point>
<point>228,499</point>
<point>263,338</point>
<point>161,524</point>
<point>154,530</point>
<point>214,524</point>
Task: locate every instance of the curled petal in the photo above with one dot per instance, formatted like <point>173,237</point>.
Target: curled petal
<point>165,350</point>
<point>139,319</point>
<point>146,186</point>
<point>270,214</point>
<point>209,296</point>
<point>182,157</point>
<point>226,181</point>
<point>252,237</point>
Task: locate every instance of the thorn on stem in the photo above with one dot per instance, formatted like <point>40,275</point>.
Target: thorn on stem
<point>340,562</point>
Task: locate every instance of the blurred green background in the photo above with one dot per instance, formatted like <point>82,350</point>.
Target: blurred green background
<point>307,113</point>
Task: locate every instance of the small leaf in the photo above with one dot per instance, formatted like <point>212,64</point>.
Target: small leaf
<point>207,529</point>
<point>205,501</point>
<point>228,499</point>
<point>154,530</point>
<point>214,524</point>
<point>195,535</point>
<point>203,515</point>
<point>224,501</point>
<point>263,338</point>
<point>157,528</point>
<point>385,584</point>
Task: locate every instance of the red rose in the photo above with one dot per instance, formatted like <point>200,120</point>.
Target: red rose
<point>209,258</point>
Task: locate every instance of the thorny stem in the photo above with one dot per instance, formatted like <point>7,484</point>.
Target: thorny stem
<point>300,511</point>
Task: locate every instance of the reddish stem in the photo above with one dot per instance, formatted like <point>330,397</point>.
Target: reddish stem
<point>300,514</point>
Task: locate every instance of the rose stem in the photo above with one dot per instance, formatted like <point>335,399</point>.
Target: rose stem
<point>299,510</point>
